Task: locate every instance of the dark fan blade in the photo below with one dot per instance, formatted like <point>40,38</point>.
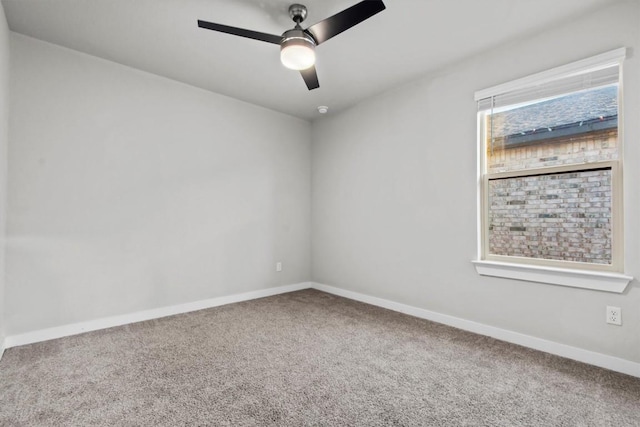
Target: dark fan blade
<point>269,38</point>
<point>310,77</point>
<point>342,21</point>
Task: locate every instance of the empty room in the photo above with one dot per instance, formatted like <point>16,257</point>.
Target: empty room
<point>333,213</point>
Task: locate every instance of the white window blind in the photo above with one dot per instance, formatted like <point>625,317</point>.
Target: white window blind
<point>601,70</point>
<point>588,80</point>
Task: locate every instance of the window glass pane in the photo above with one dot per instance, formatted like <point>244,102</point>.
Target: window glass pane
<point>562,216</point>
<point>579,127</point>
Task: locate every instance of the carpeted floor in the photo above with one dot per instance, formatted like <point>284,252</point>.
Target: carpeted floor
<point>304,358</point>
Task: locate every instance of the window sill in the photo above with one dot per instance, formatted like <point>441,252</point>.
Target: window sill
<point>600,281</point>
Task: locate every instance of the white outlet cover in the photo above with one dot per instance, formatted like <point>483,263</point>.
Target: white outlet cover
<point>614,315</point>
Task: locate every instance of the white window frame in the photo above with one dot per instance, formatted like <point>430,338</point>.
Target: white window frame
<point>608,278</point>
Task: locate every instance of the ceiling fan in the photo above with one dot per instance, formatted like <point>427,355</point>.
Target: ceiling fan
<point>297,45</point>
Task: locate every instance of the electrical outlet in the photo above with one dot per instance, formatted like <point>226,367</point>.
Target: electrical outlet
<point>278,266</point>
<point>614,315</point>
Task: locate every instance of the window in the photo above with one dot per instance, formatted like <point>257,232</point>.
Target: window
<point>550,187</point>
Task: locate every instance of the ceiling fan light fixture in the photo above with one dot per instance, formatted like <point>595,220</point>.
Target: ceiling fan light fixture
<point>297,50</point>
<point>298,45</point>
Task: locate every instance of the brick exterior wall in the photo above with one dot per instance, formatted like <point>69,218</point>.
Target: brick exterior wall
<point>562,216</point>
<point>595,146</point>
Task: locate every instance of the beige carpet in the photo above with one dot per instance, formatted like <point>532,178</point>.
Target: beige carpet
<point>304,358</point>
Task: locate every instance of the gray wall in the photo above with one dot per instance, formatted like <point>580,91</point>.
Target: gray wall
<point>131,192</point>
<point>4,138</point>
<point>394,194</point>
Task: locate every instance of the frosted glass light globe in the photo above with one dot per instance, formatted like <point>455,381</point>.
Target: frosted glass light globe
<point>297,57</point>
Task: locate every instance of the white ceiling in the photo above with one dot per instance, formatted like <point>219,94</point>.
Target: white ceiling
<point>408,39</point>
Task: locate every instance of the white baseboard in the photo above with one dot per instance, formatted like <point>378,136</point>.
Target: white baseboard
<point>581,355</point>
<point>575,353</point>
<point>2,347</point>
<point>109,322</point>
